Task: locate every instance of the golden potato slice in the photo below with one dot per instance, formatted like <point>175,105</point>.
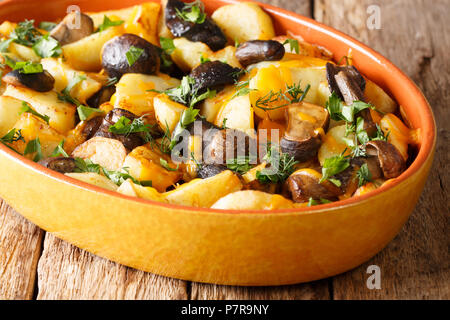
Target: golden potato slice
<point>141,20</point>
<point>63,74</point>
<point>94,179</point>
<point>33,127</point>
<point>243,22</point>
<point>379,98</point>
<point>227,55</point>
<point>23,52</point>
<point>211,106</point>
<point>253,200</point>
<point>144,163</point>
<point>85,54</point>
<point>187,54</point>
<point>133,92</point>
<point>204,192</point>
<point>9,113</point>
<point>61,114</point>
<point>167,112</point>
<point>109,153</point>
<point>129,188</point>
<point>334,144</point>
<point>238,114</point>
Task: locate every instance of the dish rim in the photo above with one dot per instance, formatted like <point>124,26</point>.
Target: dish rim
<point>428,141</point>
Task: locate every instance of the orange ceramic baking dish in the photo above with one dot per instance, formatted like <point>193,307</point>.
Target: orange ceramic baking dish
<point>205,245</point>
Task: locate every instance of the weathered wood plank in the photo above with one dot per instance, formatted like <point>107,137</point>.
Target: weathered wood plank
<point>415,36</point>
<point>66,272</point>
<point>316,290</point>
<point>20,246</point>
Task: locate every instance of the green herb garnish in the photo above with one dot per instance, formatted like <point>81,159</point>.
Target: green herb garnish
<point>34,146</point>
<point>107,23</point>
<point>332,166</point>
<point>167,45</point>
<point>47,26</point>
<point>86,165</point>
<point>241,164</point>
<point>59,151</point>
<point>125,126</point>
<point>47,47</point>
<point>25,33</point>
<point>85,112</point>
<point>192,12</point>
<point>281,166</point>
<point>133,54</point>
<point>364,175</point>
<point>166,166</point>
<point>293,44</point>
<point>26,108</point>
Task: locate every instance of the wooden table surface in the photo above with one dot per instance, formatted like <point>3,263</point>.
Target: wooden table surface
<point>414,35</point>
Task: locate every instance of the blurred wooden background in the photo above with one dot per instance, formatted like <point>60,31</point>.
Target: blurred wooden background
<point>415,35</point>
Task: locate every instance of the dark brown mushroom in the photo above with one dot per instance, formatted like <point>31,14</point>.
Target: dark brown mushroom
<point>101,96</point>
<point>209,170</point>
<point>372,164</point>
<point>91,126</point>
<point>41,81</point>
<point>304,184</point>
<point>75,26</point>
<point>390,160</point>
<point>130,141</point>
<point>169,67</point>
<point>214,75</point>
<point>348,83</point>
<point>255,51</point>
<point>301,138</point>
<point>207,32</point>
<point>229,144</point>
<point>117,51</point>
<point>59,164</point>
<point>357,80</point>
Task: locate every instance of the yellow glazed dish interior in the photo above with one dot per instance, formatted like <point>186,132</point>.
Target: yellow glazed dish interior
<point>246,247</point>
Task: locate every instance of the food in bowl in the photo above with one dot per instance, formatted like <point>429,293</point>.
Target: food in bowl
<point>166,103</point>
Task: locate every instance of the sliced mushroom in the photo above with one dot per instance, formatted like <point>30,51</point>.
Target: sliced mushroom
<point>115,56</point>
<point>73,27</point>
<point>41,81</point>
<point>130,141</point>
<point>301,138</point>
<point>390,160</point>
<point>372,164</point>
<point>207,32</point>
<point>304,184</point>
<point>349,85</point>
<point>91,127</point>
<point>169,67</point>
<point>255,51</point>
<point>210,170</point>
<point>356,79</point>
<point>102,96</point>
<point>214,74</point>
<point>59,164</point>
<point>228,144</point>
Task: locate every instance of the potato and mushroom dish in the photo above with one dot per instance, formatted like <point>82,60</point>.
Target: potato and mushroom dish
<point>167,103</point>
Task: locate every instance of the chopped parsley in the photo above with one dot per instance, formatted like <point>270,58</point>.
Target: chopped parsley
<point>12,136</point>
<point>26,108</point>
<point>293,44</point>
<point>25,67</point>
<point>241,164</point>
<point>34,146</point>
<point>281,166</point>
<point>47,47</point>
<point>192,12</point>
<point>133,54</point>
<point>187,94</point>
<point>333,166</point>
<point>364,176</point>
<point>25,33</point>
<point>166,166</point>
<point>47,26</point>
<point>59,151</point>
<point>107,23</point>
<point>187,118</point>
<point>85,112</point>
<point>167,45</point>
<point>125,126</point>
<point>86,165</point>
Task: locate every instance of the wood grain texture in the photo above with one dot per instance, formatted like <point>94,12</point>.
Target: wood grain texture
<point>66,272</point>
<point>415,35</point>
<point>303,7</point>
<point>20,246</point>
